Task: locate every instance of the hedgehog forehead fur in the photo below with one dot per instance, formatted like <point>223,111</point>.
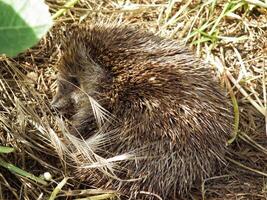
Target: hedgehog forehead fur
<point>169,109</point>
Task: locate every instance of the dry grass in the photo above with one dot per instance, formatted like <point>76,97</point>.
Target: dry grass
<point>230,35</point>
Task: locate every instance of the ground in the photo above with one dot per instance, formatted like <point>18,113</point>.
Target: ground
<point>230,35</point>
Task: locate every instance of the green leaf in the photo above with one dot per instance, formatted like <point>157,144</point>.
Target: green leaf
<point>15,170</point>
<point>22,24</point>
<point>6,149</point>
<point>58,189</point>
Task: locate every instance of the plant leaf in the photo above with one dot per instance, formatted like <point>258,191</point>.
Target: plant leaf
<point>22,24</point>
<point>6,149</point>
<point>15,170</point>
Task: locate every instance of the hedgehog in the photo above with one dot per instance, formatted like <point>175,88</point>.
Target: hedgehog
<point>165,105</point>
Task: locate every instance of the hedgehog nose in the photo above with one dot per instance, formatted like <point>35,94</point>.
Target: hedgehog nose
<point>53,104</point>
<point>56,102</point>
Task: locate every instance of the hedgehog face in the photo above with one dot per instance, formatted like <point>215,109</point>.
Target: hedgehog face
<point>66,93</point>
<point>77,79</point>
<point>74,90</point>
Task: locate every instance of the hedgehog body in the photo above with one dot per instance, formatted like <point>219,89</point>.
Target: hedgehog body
<point>168,109</point>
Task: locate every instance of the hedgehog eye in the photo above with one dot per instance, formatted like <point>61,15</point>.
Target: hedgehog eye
<point>75,81</point>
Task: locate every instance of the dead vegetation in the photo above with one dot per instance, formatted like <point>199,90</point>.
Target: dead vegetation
<point>231,35</point>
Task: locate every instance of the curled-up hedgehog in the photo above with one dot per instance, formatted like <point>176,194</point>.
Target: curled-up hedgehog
<point>160,103</point>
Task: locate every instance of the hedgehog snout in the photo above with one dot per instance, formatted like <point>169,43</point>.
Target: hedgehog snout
<point>59,102</point>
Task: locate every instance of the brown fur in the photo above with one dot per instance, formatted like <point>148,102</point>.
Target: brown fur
<point>168,109</point>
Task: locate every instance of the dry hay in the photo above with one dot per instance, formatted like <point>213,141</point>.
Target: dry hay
<point>231,36</point>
